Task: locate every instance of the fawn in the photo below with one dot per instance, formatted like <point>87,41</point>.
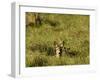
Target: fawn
<point>58,47</point>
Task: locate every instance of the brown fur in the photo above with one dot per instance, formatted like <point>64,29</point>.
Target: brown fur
<point>58,48</point>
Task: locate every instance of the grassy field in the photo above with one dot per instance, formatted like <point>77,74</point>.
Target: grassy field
<point>72,29</point>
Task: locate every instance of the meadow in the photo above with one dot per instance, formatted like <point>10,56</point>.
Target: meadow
<point>73,29</point>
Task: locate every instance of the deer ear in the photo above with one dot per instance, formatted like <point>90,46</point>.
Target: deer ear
<point>63,42</point>
<point>55,42</point>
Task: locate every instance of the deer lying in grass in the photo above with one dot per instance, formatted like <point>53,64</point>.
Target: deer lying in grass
<point>58,47</point>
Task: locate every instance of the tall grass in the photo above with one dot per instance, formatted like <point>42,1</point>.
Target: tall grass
<point>72,29</point>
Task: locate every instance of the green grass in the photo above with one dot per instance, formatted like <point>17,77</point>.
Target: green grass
<point>72,29</point>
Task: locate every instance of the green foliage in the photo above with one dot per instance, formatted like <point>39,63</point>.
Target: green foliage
<point>72,29</point>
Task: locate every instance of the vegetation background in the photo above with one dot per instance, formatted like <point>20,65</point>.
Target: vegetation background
<point>71,28</point>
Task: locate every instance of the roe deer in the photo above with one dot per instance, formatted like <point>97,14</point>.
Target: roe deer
<point>58,48</point>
